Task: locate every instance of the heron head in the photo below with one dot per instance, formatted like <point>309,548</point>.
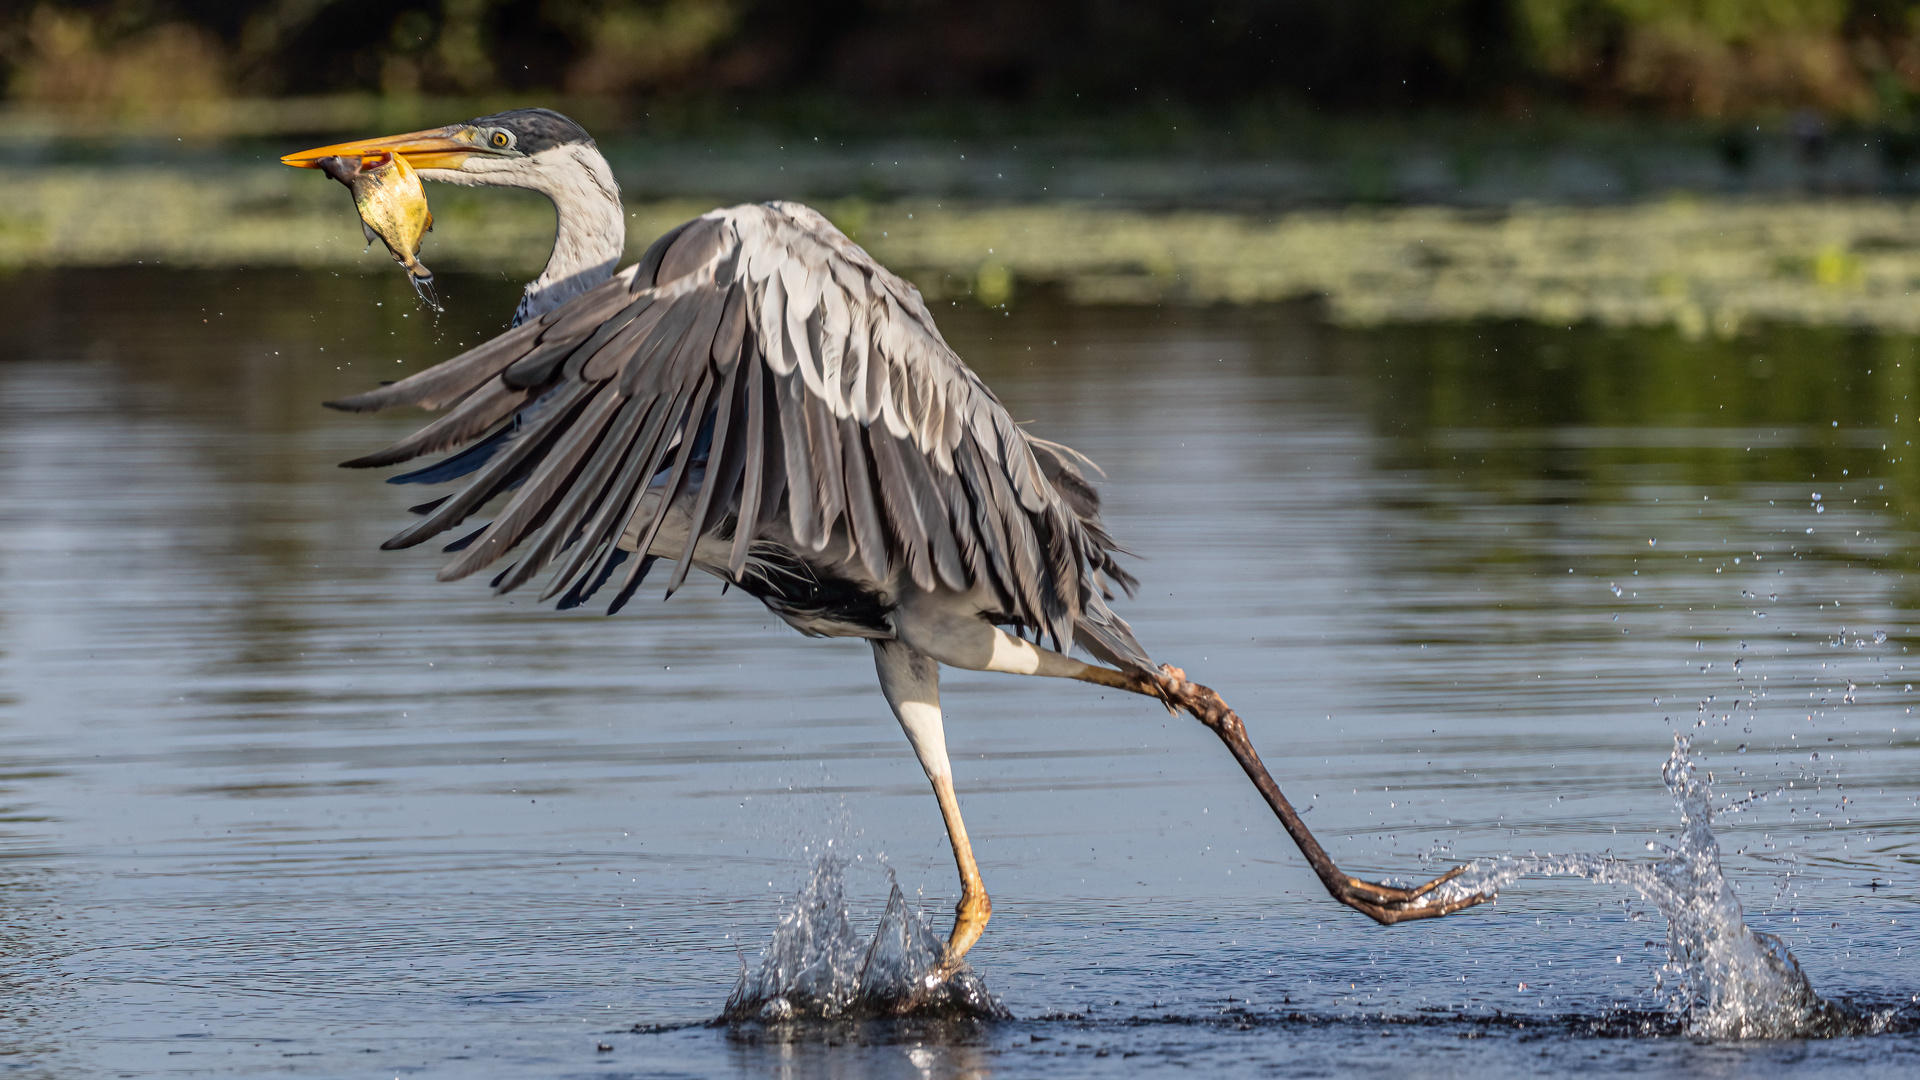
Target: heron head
<point>506,149</point>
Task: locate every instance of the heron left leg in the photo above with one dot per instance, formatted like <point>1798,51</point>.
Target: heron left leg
<point>911,681</point>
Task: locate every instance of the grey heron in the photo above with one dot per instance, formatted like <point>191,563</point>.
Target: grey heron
<point>759,399</point>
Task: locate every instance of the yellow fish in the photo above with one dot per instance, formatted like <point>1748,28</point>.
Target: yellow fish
<point>393,208</point>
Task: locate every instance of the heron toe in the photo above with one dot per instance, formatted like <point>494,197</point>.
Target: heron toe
<point>970,917</point>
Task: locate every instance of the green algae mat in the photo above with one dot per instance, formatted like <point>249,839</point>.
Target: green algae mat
<point>1704,266</point>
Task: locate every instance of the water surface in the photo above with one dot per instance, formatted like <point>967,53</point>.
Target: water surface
<point>274,801</point>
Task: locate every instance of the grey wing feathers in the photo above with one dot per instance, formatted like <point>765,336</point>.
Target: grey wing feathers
<point>760,367</point>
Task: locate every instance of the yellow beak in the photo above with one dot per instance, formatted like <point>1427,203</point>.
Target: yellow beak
<point>440,148</point>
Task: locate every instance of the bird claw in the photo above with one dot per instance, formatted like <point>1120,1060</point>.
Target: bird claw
<point>928,983</point>
<point>1389,904</point>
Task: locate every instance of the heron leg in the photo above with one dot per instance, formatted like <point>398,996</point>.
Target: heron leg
<point>1384,904</point>
<point>911,681</point>
<point>974,645</point>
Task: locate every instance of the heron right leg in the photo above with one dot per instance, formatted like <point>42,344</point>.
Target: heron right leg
<point>911,681</point>
<point>974,645</point>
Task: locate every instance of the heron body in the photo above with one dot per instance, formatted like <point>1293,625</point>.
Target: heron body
<point>759,399</point>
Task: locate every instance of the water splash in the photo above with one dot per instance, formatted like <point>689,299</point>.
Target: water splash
<point>1722,979</point>
<point>817,968</point>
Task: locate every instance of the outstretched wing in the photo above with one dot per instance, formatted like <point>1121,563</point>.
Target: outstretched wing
<point>759,364</point>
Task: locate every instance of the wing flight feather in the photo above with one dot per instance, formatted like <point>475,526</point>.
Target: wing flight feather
<point>761,373</point>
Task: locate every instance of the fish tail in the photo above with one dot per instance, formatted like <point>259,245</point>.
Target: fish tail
<point>422,279</point>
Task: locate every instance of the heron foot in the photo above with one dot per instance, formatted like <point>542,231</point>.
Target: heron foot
<point>927,987</point>
<point>970,917</point>
<point>1389,904</point>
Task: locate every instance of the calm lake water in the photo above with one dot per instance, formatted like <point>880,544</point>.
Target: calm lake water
<point>275,802</point>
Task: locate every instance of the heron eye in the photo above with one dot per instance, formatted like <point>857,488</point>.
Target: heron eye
<point>500,140</point>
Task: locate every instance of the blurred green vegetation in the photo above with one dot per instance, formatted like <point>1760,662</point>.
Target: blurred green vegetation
<point>1218,151</point>
<point>1707,268</point>
<point>925,64</point>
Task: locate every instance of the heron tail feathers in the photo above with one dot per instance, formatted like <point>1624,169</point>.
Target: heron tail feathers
<point>1109,639</point>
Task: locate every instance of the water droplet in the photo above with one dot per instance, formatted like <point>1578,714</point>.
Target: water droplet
<point>1617,590</point>
<point>1742,749</point>
<point>1879,637</point>
<point>1820,508</point>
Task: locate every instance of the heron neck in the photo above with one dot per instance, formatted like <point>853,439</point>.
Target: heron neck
<point>590,234</point>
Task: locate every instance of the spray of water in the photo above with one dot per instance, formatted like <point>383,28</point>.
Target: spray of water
<point>1722,979</point>
<point>817,968</point>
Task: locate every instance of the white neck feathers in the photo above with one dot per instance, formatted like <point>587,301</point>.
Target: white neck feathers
<point>590,234</point>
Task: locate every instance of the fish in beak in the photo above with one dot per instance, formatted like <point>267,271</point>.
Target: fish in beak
<point>383,175</point>
<point>393,206</point>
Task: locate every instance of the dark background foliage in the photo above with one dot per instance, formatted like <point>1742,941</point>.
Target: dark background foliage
<point>1678,57</point>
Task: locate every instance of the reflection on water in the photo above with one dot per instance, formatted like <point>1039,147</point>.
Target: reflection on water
<point>273,799</point>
